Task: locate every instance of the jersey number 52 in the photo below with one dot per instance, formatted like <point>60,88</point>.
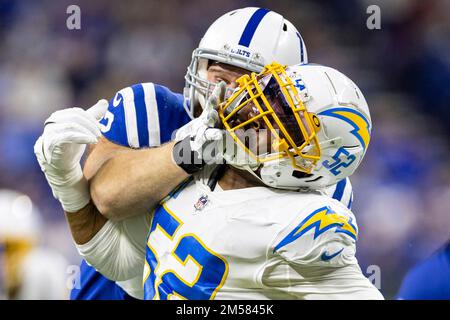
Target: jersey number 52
<point>211,269</point>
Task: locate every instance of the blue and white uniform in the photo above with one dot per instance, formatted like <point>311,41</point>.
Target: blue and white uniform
<point>251,243</point>
<point>146,115</point>
<point>141,116</point>
<point>342,192</point>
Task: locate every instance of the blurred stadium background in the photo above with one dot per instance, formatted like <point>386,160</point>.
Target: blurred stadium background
<point>402,190</point>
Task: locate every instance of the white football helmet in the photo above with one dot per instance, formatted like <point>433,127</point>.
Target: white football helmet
<point>247,38</point>
<point>319,123</point>
<point>19,218</point>
<point>20,226</point>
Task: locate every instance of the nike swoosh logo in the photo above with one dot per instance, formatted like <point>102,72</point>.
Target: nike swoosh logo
<point>117,99</point>
<point>326,257</point>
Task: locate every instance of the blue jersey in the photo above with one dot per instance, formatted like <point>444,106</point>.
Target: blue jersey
<point>141,116</point>
<point>430,279</point>
<point>144,115</point>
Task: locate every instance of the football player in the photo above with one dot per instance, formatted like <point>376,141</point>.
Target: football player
<point>259,230</point>
<point>28,270</point>
<point>125,182</point>
<point>430,279</point>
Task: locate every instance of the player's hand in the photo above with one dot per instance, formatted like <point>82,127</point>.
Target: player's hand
<point>205,126</point>
<point>202,135</point>
<point>60,148</point>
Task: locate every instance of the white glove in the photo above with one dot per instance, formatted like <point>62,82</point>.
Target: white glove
<point>60,148</point>
<point>202,132</point>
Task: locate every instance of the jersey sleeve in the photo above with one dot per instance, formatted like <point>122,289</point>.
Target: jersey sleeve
<point>118,250</point>
<point>341,191</point>
<point>313,256</point>
<point>143,115</point>
<point>323,234</point>
<point>313,283</point>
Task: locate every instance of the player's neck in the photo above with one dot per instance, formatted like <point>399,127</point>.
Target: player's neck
<point>238,179</point>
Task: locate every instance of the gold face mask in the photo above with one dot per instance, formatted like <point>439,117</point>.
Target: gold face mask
<point>270,100</point>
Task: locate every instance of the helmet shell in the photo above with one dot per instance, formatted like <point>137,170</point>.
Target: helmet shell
<point>345,129</point>
<point>247,38</point>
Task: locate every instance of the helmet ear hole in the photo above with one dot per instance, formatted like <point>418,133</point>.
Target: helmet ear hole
<point>300,174</point>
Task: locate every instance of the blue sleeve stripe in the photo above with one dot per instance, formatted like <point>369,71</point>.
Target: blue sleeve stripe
<point>130,117</point>
<point>350,201</point>
<point>339,192</point>
<point>151,105</point>
<point>302,55</point>
<point>141,114</point>
<point>251,26</point>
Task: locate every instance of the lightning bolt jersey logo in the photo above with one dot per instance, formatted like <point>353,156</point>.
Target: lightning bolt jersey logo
<point>362,128</point>
<point>320,221</point>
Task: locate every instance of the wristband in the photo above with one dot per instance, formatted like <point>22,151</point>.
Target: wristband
<point>71,189</point>
<point>186,158</point>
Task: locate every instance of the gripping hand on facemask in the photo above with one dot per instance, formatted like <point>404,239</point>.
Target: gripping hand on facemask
<point>59,150</point>
<point>198,141</point>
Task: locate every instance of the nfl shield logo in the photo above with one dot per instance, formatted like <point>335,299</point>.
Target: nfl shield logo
<point>201,203</point>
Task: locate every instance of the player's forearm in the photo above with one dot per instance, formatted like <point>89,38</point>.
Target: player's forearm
<point>132,183</point>
<point>85,223</point>
<point>115,249</point>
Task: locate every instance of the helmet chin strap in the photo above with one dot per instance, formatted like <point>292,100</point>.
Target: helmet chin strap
<point>230,159</point>
<point>267,183</point>
<point>269,173</point>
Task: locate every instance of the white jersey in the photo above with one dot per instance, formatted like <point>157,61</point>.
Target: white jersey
<point>253,243</point>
